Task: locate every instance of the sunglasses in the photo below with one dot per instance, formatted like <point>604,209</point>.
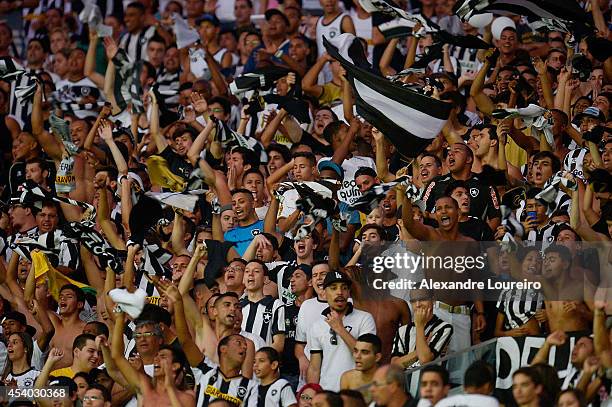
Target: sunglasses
<point>334,337</point>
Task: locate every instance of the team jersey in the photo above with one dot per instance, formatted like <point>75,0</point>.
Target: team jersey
<point>264,318</point>
<point>278,393</point>
<point>211,385</point>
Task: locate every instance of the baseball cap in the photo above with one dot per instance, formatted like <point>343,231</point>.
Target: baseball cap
<point>330,165</point>
<point>275,12</point>
<point>336,277</point>
<point>63,381</point>
<point>591,111</point>
<point>21,318</point>
<point>211,18</point>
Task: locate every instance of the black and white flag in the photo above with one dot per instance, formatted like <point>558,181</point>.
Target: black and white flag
<point>410,120</point>
<point>154,260</point>
<point>372,197</point>
<point>568,10</point>
<point>127,82</point>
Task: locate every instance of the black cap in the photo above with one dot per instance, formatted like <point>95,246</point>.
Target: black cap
<point>336,277</point>
<point>21,318</point>
<point>63,381</point>
<point>211,18</point>
<point>276,12</point>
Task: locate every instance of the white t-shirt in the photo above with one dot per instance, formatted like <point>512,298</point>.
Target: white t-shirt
<point>25,379</point>
<point>349,192</point>
<point>310,311</point>
<point>337,357</point>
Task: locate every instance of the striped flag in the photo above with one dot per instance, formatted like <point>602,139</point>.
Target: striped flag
<point>410,120</point>
<point>568,10</point>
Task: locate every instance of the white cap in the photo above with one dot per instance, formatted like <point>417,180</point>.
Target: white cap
<point>499,25</point>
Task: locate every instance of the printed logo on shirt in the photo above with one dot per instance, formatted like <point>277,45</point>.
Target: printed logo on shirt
<point>474,192</point>
<point>274,392</point>
<point>267,316</point>
<point>218,394</point>
<point>255,232</point>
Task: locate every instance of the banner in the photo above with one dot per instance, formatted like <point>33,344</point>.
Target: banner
<point>512,353</point>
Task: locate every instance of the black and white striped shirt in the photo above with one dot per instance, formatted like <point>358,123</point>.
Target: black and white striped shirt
<point>136,44</point>
<point>22,111</point>
<point>280,273</point>
<point>278,393</point>
<point>211,385</point>
<point>265,318</point>
<point>168,82</point>
<point>545,234</point>
<point>437,332</point>
<point>519,306</point>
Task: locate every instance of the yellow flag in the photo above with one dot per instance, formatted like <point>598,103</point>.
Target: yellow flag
<point>43,268</point>
<point>160,174</point>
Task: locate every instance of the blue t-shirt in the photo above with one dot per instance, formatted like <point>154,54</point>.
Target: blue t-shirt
<point>242,236</point>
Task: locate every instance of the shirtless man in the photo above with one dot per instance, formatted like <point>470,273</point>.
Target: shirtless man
<point>223,314</point>
<point>389,312</point>
<point>565,309</point>
<point>67,325</point>
<point>161,390</point>
<point>452,306</point>
<point>367,355</point>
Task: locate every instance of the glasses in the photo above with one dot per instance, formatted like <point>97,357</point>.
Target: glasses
<point>217,110</point>
<point>376,384</point>
<point>334,337</point>
<point>252,43</point>
<point>305,397</point>
<point>144,334</point>
<point>91,398</point>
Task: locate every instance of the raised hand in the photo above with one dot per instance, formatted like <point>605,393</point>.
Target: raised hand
<point>200,250</point>
<point>55,355</point>
<point>110,47</point>
<point>556,338</point>
<point>105,131</point>
<point>199,103</point>
<point>101,341</point>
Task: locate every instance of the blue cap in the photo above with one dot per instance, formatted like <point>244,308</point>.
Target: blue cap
<point>330,165</point>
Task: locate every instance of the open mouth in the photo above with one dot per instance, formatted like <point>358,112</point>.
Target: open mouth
<point>301,248</point>
<point>238,212</point>
<point>445,221</point>
<point>451,161</point>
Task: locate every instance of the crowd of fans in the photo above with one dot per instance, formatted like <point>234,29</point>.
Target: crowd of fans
<point>250,299</point>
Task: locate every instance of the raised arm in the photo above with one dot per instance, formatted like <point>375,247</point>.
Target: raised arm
<point>131,375</point>
<point>158,137</point>
<point>50,144</point>
<point>267,135</point>
<point>89,140</point>
<point>542,70</point>
<point>106,133</point>
<point>47,330</point>
<point>9,276</point>
<point>90,60</point>
<point>416,229</point>
<point>483,102</point>
<point>382,168</point>
<point>387,57</point>
<point>309,82</point>
<point>43,378</point>
<point>193,353</point>
<point>91,270</point>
